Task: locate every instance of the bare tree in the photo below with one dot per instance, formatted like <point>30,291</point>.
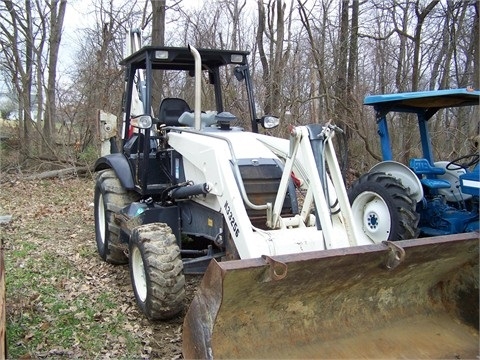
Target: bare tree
<point>235,9</point>
<point>158,38</point>
<point>317,63</point>
<point>158,22</point>
<point>341,96</point>
<point>317,39</point>
<point>353,49</point>
<point>99,81</point>
<point>57,14</point>
<point>271,27</point>
<point>17,48</point>
<point>24,36</point>
<point>476,46</point>
<point>421,13</point>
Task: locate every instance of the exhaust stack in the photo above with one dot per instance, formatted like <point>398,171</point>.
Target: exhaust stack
<point>198,86</point>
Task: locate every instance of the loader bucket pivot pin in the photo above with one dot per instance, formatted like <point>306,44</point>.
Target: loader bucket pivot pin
<point>395,255</point>
<point>277,269</point>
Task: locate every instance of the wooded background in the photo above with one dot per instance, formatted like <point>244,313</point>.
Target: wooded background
<point>311,61</point>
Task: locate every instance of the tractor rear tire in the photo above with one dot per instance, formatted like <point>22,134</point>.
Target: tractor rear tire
<point>383,209</point>
<point>156,271</point>
<point>110,198</point>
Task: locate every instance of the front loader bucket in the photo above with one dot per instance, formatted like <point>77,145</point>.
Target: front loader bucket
<point>408,299</point>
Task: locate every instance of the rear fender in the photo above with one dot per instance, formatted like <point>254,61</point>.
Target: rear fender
<point>119,163</point>
<point>402,173</point>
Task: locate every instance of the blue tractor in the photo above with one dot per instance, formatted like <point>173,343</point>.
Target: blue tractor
<point>425,197</point>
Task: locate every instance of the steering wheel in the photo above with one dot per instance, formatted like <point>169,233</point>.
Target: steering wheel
<point>463,162</point>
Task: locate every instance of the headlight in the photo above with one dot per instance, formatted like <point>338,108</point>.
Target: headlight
<point>269,122</point>
<point>161,54</point>
<point>141,122</point>
<point>236,58</point>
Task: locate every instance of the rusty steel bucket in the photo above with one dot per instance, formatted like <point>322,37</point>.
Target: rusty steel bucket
<point>408,299</point>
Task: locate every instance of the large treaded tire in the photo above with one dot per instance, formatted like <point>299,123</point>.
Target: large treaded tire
<point>110,197</point>
<point>383,209</point>
<point>156,271</point>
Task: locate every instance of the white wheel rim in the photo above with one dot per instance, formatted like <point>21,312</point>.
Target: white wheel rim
<point>101,219</point>
<point>138,271</point>
<point>372,216</point>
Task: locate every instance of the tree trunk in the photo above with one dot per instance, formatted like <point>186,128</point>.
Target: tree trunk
<point>341,85</point>
<point>409,140</point>
<point>445,53</point>
<point>158,39</point>
<point>353,50</point>
<point>235,16</point>
<point>27,82</point>
<point>350,106</point>
<point>417,41</point>
<point>400,72</point>
<point>40,70</point>
<point>261,52</point>
<point>342,59</point>
<point>318,45</point>
<point>57,14</point>
<point>476,46</point>
<point>464,73</point>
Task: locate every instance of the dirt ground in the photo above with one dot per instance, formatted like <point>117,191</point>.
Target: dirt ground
<point>59,213</point>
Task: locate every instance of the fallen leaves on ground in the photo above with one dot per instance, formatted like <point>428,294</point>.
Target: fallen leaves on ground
<point>56,216</point>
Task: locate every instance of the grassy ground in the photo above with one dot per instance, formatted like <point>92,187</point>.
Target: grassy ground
<point>62,300</point>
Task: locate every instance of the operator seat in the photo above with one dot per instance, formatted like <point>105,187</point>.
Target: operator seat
<point>171,109</point>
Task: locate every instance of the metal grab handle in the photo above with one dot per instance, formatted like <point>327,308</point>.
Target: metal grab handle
<point>277,269</point>
<point>395,256</point>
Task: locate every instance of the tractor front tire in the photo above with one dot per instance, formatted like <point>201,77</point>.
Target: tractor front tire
<point>156,271</point>
<point>110,197</point>
<point>383,209</point>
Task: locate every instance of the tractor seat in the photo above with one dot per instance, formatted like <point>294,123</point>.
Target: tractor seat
<point>171,109</point>
<point>427,174</point>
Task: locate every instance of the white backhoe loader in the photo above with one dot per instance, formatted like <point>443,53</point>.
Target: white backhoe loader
<point>287,272</point>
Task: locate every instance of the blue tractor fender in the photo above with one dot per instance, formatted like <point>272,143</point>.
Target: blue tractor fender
<point>406,176</point>
<point>119,163</point>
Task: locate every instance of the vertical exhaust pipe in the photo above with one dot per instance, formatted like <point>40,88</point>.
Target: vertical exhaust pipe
<point>198,84</point>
